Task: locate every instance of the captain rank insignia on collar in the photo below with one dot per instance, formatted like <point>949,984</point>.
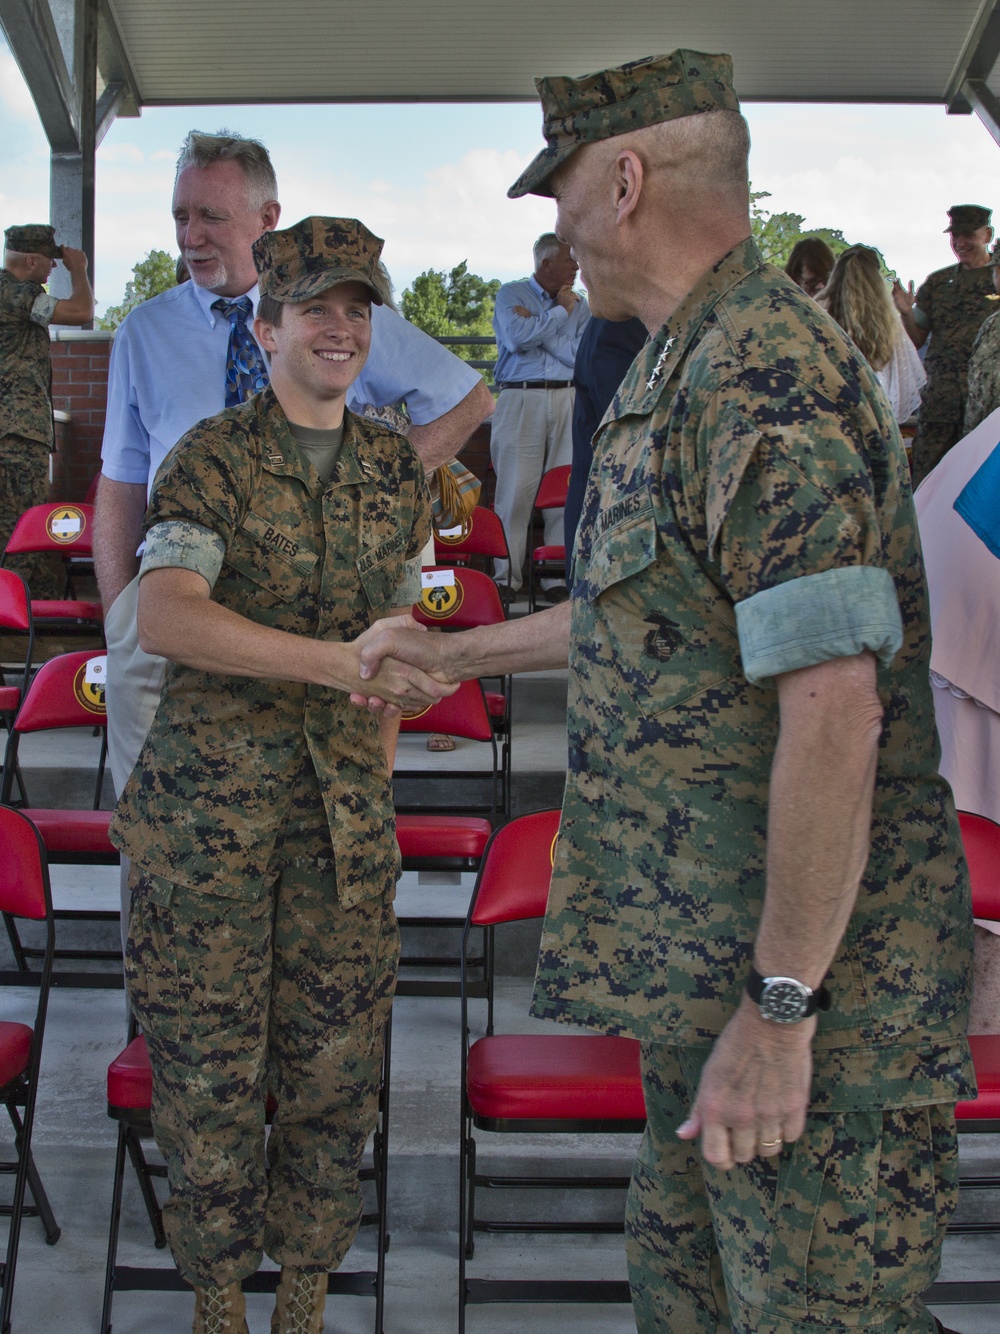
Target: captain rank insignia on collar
<point>654,379</point>
<point>367,468</point>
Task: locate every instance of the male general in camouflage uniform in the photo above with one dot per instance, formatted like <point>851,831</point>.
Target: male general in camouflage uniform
<point>26,311</point>
<point>259,819</point>
<point>759,872</point>
<point>983,396</point>
<point>949,307</point>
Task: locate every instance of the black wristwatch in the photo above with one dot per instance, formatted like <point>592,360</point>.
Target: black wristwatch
<point>784,1000</point>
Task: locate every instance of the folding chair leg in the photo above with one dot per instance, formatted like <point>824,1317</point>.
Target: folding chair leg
<point>21,1179</point>
<point>135,1153</point>
<point>380,1148</point>
<point>116,1214</point>
<point>42,1206</point>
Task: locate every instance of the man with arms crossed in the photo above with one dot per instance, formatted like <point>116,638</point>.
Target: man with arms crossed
<point>759,872</point>
<point>189,353</point>
<point>258,819</point>
<point>538,322</point>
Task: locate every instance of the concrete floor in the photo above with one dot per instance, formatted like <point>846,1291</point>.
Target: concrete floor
<point>58,1290</point>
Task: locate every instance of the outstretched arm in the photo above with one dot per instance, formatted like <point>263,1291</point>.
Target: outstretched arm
<point>178,620</point>
<point>530,644</point>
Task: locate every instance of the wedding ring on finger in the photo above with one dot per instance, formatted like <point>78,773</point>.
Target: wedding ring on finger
<point>771,1143</point>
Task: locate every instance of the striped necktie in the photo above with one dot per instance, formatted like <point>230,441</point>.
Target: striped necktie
<point>246,373</point>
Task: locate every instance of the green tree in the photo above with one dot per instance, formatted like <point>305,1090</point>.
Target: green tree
<point>777,233</point>
<point>447,305</point>
<point>150,276</point>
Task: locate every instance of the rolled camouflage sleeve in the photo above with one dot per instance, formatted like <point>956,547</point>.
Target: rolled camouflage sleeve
<point>175,544</point>
<point>836,614</point>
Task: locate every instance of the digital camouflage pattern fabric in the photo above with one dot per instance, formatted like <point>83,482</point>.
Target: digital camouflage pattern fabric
<point>749,448</point>
<point>314,255</point>
<point>953,303</point>
<point>33,238</point>
<point>291,995</point>
<point>259,821</point>
<point>983,396</point>
<point>26,430</point>
<point>209,795</point>
<point>614,101</point>
<point>25,371</point>
<point>854,1209</point>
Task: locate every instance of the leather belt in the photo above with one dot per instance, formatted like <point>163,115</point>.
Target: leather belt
<point>537,384</point>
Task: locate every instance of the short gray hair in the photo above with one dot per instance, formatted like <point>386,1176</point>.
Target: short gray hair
<point>547,246</point>
<point>202,150</point>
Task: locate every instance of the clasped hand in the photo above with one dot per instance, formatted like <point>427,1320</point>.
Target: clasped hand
<point>400,664</point>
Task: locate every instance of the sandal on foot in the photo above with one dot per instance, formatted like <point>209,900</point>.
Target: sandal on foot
<point>439,741</point>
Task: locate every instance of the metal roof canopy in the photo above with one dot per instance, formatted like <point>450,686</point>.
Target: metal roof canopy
<point>88,61</point>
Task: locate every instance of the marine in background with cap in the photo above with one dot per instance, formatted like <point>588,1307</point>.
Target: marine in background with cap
<point>26,434</point>
<point>758,872</point>
<point>949,308</point>
<point>259,820</point>
<point>983,394</point>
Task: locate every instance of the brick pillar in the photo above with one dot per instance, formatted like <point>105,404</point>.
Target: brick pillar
<point>80,389</point>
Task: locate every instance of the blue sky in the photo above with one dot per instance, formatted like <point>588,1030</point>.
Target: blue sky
<point>432,179</point>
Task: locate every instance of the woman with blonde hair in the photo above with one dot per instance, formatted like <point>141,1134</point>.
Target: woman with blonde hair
<point>857,296</point>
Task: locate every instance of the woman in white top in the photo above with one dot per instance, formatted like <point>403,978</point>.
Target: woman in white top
<point>857,296</point>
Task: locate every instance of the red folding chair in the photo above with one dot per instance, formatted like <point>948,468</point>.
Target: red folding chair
<point>130,1096</point>
<point>481,536</point>
<point>548,561</point>
<point>516,1083</point>
<point>463,599</point>
<point>15,617</point>
<point>979,1115</point>
<point>68,692</point>
<point>24,893</point>
<point>67,530</point>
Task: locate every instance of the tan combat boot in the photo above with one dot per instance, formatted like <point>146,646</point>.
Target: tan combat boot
<point>220,1310</point>
<point>301,1297</point>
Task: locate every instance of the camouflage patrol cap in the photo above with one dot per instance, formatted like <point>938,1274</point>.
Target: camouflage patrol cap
<point>628,97</point>
<point>34,238</point>
<point>314,255</point>
<point>967,218</point>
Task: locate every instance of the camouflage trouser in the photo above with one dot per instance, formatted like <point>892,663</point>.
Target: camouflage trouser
<point>24,481</point>
<point>290,993</point>
<point>842,1232</point>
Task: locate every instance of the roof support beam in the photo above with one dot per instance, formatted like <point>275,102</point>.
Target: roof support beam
<point>975,64</point>
<point>985,103</point>
<point>34,42</point>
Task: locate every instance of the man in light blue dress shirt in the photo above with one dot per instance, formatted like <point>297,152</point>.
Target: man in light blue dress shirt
<point>538,323</point>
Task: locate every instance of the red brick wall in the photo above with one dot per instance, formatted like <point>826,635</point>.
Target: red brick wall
<point>79,388</point>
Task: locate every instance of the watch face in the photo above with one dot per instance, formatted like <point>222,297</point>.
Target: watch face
<point>784,1001</point>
